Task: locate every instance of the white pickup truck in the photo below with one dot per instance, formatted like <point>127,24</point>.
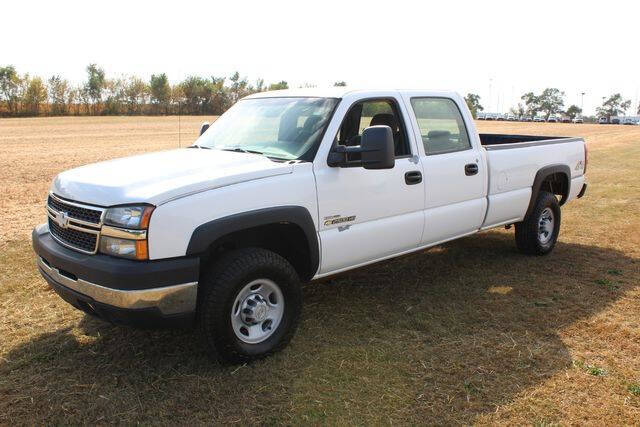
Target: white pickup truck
<point>285,187</point>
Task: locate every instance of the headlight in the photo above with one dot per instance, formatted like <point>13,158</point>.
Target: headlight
<point>125,248</point>
<point>136,217</point>
<point>125,232</point>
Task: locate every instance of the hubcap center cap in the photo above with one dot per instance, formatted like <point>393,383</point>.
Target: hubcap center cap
<point>260,312</point>
<point>254,309</point>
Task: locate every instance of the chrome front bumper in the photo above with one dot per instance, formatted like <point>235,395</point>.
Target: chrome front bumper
<point>155,293</point>
<point>168,299</point>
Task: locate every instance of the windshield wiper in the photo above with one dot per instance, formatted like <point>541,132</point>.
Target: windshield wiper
<point>199,146</point>
<point>242,150</point>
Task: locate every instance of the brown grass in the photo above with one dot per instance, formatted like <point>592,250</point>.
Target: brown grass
<point>469,332</point>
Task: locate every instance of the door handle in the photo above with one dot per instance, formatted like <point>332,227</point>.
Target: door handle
<point>471,169</point>
<point>413,177</point>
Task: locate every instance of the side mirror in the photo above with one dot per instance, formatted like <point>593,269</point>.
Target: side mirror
<point>376,149</point>
<point>204,127</point>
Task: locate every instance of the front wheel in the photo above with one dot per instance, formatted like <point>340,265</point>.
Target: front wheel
<point>537,235</point>
<point>250,305</point>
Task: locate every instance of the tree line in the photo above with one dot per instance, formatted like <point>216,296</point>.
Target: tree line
<point>25,95</point>
<point>550,102</point>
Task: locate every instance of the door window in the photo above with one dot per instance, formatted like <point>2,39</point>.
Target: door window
<point>441,125</point>
<point>370,113</point>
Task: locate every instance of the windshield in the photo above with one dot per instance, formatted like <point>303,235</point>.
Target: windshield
<point>282,128</point>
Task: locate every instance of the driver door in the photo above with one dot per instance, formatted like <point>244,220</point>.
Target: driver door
<point>366,215</point>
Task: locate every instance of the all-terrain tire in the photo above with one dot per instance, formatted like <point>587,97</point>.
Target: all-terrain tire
<point>536,235</point>
<point>219,289</point>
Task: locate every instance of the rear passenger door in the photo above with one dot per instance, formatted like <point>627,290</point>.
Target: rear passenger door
<point>454,176</point>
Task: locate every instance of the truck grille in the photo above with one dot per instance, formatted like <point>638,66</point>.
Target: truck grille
<point>74,225</point>
<point>75,211</point>
<point>73,238</point>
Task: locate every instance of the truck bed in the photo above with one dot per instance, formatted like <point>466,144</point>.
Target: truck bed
<point>514,160</point>
<point>498,141</point>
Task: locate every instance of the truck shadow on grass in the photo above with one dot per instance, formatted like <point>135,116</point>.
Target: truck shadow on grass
<point>436,337</point>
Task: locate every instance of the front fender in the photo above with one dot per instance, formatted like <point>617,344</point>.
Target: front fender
<point>206,234</point>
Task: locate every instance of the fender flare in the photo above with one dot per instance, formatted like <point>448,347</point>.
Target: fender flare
<point>206,234</point>
<point>543,174</point>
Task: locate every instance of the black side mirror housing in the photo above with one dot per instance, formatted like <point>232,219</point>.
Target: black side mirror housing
<point>376,149</point>
<point>204,127</point>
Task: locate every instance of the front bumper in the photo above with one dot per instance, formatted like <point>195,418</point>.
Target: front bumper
<point>139,293</point>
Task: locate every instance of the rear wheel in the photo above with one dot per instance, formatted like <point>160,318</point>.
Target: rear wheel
<point>250,305</point>
<point>537,235</point>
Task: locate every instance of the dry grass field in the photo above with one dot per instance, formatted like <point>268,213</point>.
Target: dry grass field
<point>470,332</point>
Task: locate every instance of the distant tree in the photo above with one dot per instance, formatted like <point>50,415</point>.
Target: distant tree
<point>532,103</point>
<point>35,96</point>
<point>573,111</point>
<point>518,110</point>
<point>84,98</point>
<point>260,85</point>
<point>340,83</point>
<point>177,98</point>
<point>135,94</point>
<point>613,106</point>
<point>95,85</point>
<point>196,93</point>
<point>23,86</point>
<point>473,102</point>
<point>60,95</point>
<point>551,101</point>
<point>278,86</point>
<point>239,87</point>
<point>9,85</point>
<point>72,101</point>
<point>220,99</point>
<point>114,96</point>
<point>160,91</point>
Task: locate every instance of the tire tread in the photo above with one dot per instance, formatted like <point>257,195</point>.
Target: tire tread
<point>220,280</point>
<point>527,230</point>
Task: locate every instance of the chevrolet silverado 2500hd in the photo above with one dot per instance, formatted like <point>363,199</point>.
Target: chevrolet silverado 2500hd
<point>285,187</point>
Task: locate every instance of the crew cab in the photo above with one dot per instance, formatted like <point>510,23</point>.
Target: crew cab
<point>288,187</point>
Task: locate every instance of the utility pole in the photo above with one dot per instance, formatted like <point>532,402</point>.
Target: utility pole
<point>490,84</point>
<point>512,94</point>
<point>582,103</point>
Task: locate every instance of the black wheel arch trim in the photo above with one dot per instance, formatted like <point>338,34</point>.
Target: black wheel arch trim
<point>206,234</point>
<point>543,174</point>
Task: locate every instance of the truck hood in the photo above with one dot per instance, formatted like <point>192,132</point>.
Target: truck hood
<point>158,177</point>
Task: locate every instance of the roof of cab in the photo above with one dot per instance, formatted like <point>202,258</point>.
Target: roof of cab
<point>332,92</point>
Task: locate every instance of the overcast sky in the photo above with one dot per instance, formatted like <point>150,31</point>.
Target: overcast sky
<point>498,49</point>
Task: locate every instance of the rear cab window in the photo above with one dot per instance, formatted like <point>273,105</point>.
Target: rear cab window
<point>442,127</point>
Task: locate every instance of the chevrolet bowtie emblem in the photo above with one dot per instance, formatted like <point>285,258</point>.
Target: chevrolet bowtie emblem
<point>62,219</point>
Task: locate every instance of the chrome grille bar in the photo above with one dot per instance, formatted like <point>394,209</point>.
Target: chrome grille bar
<point>82,232</point>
